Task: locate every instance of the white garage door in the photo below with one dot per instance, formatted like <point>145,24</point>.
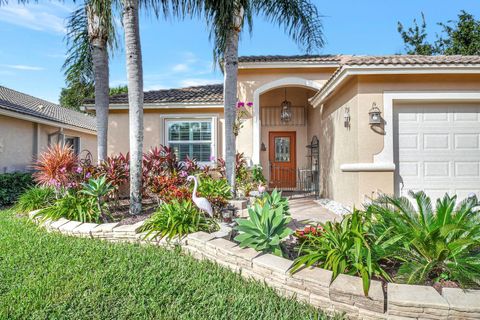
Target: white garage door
<point>437,148</point>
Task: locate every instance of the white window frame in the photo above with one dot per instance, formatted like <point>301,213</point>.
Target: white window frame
<point>213,118</point>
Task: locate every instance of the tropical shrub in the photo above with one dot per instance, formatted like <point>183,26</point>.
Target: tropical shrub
<point>217,191</point>
<point>35,198</point>
<point>177,219</point>
<point>437,243</point>
<point>167,188</point>
<point>12,185</point>
<point>348,247</point>
<point>274,200</point>
<point>264,230</point>
<point>98,189</point>
<point>303,234</point>
<point>55,167</point>
<point>257,174</point>
<point>117,171</point>
<point>72,206</point>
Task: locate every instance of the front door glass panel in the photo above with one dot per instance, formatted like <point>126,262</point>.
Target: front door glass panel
<point>282,149</point>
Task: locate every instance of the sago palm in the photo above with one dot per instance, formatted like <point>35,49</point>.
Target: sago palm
<point>441,242</point>
<point>227,18</point>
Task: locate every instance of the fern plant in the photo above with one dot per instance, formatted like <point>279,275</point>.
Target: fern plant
<point>34,199</point>
<point>177,219</point>
<point>265,228</point>
<point>441,242</point>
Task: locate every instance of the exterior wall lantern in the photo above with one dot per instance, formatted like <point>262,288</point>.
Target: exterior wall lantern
<point>286,110</point>
<point>374,115</point>
<point>346,118</point>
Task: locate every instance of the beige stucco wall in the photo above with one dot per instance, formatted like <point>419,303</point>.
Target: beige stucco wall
<point>361,142</point>
<point>118,131</point>
<point>250,80</point>
<point>21,140</point>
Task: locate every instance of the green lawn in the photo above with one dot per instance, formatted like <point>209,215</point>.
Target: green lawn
<point>49,276</point>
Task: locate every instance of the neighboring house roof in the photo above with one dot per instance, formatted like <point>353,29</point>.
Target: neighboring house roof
<point>212,93</point>
<point>21,103</point>
<point>411,60</point>
<point>296,58</point>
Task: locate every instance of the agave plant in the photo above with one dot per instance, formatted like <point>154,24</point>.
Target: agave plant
<point>98,189</point>
<point>436,242</point>
<point>264,230</point>
<point>347,247</point>
<point>275,200</point>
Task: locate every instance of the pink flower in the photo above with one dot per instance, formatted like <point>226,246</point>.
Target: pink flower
<point>212,158</point>
<point>79,170</point>
<point>88,175</point>
<point>240,104</point>
<point>249,104</point>
<point>63,170</point>
<point>261,188</point>
<point>183,174</point>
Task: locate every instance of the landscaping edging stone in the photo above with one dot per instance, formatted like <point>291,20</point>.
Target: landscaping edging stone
<point>310,285</point>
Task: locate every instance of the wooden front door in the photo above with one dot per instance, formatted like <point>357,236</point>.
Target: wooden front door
<point>282,156</point>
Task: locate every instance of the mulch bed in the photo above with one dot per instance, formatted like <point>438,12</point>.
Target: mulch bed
<point>120,213</point>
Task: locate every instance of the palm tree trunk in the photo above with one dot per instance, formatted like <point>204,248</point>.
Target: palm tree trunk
<point>100,67</point>
<point>98,36</point>
<point>230,98</point>
<point>133,54</point>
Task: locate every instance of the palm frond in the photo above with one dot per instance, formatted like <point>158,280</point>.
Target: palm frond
<point>300,18</point>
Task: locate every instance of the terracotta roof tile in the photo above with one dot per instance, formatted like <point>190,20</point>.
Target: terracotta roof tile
<point>212,93</point>
<point>327,58</point>
<point>411,60</point>
<point>19,102</point>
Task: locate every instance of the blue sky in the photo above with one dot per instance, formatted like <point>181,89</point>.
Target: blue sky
<point>179,53</point>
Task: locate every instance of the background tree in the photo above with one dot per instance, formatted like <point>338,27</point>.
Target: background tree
<point>90,34</point>
<point>415,38</point>
<point>73,96</point>
<point>460,36</point>
<point>226,19</point>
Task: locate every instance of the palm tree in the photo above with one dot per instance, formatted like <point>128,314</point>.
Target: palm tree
<point>133,53</point>
<point>90,34</point>
<point>301,21</point>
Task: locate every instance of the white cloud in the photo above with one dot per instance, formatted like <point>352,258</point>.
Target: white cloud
<point>23,67</point>
<point>154,87</point>
<point>181,67</point>
<point>197,82</point>
<point>36,16</point>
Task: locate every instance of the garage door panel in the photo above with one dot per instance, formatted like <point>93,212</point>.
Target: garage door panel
<point>437,148</point>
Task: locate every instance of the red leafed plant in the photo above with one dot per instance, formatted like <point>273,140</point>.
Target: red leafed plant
<point>117,171</point>
<point>168,188</point>
<point>55,167</point>
<point>302,234</point>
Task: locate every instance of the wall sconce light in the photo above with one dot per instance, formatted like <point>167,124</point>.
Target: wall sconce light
<point>263,147</point>
<point>346,118</point>
<point>374,115</point>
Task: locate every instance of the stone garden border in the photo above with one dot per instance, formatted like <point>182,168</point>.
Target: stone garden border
<point>311,285</point>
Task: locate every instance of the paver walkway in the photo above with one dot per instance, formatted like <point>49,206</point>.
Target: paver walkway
<point>306,210</point>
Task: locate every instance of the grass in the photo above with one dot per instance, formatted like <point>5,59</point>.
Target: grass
<point>50,276</point>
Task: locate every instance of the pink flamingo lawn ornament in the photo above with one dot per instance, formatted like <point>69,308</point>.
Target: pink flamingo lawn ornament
<point>201,203</point>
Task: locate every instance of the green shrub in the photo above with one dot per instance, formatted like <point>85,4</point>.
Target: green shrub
<point>436,243</point>
<point>265,229</point>
<point>12,185</point>
<point>217,191</point>
<point>35,198</point>
<point>177,219</point>
<point>98,189</point>
<point>73,206</point>
<point>347,247</point>
<point>275,200</point>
